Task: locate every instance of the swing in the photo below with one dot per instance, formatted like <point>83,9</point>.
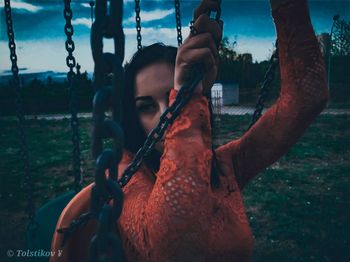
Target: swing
<point>46,217</point>
<point>40,235</point>
<point>42,224</point>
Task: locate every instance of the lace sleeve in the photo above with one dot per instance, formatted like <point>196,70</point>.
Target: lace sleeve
<point>164,219</point>
<point>303,95</point>
<point>178,206</point>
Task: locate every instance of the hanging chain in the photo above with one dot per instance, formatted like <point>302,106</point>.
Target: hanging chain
<point>264,86</point>
<point>138,24</point>
<point>28,182</point>
<point>71,63</point>
<point>167,118</point>
<point>178,22</point>
<point>105,244</point>
<point>92,4</point>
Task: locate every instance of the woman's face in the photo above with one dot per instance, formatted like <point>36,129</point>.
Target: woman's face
<point>152,88</point>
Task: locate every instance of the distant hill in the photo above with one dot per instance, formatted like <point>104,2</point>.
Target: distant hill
<point>26,77</point>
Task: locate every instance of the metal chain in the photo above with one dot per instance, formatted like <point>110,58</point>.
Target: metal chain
<point>28,181</point>
<point>178,22</point>
<point>105,244</point>
<point>74,226</point>
<point>71,63</point>
<point>92,4</point>
<point>193,30</point>
<point>264,86</point>
<point>167,118</point>
<point>138,24</point>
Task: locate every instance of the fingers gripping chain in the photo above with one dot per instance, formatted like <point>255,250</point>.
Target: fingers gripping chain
<point>166,119</point>
<point>207,7</point>
<point>193,30</point>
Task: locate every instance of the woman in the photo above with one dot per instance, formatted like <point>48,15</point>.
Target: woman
<point>172,211</point>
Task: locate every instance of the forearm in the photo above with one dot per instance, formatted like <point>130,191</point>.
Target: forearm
<point>303,94</point>
<point>303,75</point>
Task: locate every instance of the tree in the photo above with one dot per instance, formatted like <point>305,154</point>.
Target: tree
<point>240,68</point>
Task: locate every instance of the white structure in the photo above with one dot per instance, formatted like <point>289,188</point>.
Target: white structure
<point>226,93</point>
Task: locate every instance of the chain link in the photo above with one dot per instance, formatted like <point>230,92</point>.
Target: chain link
<point>138,24</point>
<point>193,30</point>
<point>166,119</point>
<point>71,63</point>
<point>107,26</point>
<point>92,4</point>
<point>28,181</point>
<point>178,22</point>
<point>264,86</point>
<point>105,244</point>
<point>105,189</point>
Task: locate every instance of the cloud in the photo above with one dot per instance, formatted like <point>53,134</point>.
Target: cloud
<point>82,21</point>
<point>23,6</point>
<point>149,32</point>
<point>85,5</point>
<point>152,32</point>
<point>147,16</point>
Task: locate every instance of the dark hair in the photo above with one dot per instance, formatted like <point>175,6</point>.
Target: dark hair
<point>134,132</point>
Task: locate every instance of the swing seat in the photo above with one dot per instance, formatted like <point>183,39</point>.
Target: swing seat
<point>39,236</point>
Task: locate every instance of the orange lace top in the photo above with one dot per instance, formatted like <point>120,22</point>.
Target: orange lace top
<point>177,216</point>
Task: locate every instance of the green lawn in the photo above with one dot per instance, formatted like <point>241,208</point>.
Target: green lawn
<point>299,208</point>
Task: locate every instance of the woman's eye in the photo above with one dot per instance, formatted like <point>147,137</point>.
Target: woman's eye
<point>146,108</point>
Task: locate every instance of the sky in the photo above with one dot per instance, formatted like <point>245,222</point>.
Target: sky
<point>38,26</point>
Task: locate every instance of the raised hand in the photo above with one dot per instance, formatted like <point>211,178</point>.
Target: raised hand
<point>200,49</point>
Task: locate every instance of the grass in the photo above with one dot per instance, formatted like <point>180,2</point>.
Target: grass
<point>299,208</point>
